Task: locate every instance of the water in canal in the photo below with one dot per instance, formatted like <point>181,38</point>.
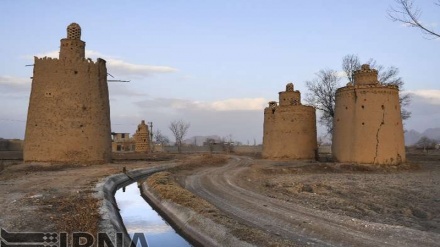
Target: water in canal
<point>139,217</point>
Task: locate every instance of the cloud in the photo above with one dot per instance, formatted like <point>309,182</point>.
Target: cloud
<point>240,117</point>
<point>243,104</point>
<point>425,109</point>
<point>250,104</point>
<point>148,227</point>
<point>341,74</point>
<point>17,83</point>
<point>117,66</point>
<point>431,96</point>
<point>121,67</point>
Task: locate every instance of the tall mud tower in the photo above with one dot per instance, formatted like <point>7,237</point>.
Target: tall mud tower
<point>289,128</point>
<point>367,125</point>
<point>69,113</point>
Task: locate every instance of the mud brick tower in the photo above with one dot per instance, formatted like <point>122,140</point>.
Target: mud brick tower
<point>69,114</point>
<point>289,128</point>
<point>142,138</point>
<point>367,125</point>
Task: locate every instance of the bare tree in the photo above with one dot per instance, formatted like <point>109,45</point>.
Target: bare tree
<point>426,143</point>
<point>321,94</point>
<point>161,138</point>
<point>386,76</point>
<point>179,128</point>
<point>406,13</point>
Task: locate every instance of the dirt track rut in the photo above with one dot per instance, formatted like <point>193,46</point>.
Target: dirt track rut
<point>301,225</point>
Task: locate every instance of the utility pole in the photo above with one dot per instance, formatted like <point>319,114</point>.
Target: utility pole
<point>151,137</point>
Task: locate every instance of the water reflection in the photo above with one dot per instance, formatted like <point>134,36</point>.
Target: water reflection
<point>138,216</point>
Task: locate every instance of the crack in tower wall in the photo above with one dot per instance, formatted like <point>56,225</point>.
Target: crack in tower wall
<point>377,136</point>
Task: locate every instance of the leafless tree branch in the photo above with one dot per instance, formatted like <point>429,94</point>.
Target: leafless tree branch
<point>406,13</point>
<point>322,91</point>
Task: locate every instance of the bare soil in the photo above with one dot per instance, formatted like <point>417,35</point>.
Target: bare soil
<point>311,203</point>
<point>57,197</point>
<point>268,203</point>
<point>406,195</point>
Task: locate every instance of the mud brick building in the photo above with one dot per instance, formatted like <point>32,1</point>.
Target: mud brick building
<point>289,128</point>
<point>69,114</point>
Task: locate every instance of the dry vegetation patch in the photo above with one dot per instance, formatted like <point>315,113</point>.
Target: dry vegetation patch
<point>76,212</point>
<point>405,195</point>
<point>199,161</point>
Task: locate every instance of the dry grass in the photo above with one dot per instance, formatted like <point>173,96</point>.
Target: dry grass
<point>163,183</point>
<point>198,161</point>
<point>314,168</point>
<point>402,195</point>
<point>74,213</point>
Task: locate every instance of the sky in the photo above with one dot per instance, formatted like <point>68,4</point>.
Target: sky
<point>215,64</point>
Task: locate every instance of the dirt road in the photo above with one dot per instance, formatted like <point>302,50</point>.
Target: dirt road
<point>222,186</point>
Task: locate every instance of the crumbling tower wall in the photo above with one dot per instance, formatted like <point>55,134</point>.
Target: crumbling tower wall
<point>367,125</point>
<point>142,138</point>
<point>69,113</point>
<point>289,128</point>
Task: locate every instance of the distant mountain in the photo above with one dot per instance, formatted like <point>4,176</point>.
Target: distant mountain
<point>412,136</point>
<point>432,133</point>
<point>198,140</point>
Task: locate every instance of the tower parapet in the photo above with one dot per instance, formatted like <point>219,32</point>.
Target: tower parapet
<point>289,127</point>
<point>367,124</point>
<point>289,97</point>
<point>365,76</point>
<point>69,112</point>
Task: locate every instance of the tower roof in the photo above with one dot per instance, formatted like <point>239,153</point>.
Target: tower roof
<point>74,31</point>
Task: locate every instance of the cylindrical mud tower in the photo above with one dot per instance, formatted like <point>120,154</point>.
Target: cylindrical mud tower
<point>69,113</point>
<point>367,125</point>
<point>289,128</point>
